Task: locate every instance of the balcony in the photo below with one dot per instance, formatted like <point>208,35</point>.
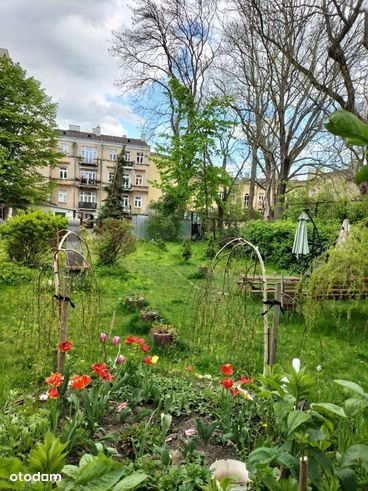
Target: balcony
<point>127,187</point>
<point>88,161</point>
<point>86,205</point>
<point>127,209</point>
<point>88,182</point>
<point>129,164</point>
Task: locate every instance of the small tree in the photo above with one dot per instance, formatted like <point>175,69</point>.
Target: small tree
<point>116,240</point>
<point>113,205</point>
<point>165,217</point>
<point>187,251</point>
<point>31,234</point>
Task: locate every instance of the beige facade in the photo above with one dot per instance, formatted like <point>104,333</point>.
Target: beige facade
<point>241,194</point>
<point>88,166</point>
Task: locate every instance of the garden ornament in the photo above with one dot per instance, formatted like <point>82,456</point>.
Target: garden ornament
<point>344,233</point>
<point>231,468</point>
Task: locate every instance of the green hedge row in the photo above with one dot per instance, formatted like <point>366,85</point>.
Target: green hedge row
<point>275,240</point>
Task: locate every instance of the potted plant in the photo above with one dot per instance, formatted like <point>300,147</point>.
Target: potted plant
<point>135,302</point>
<point>149,315</point>
<point>163,334</point>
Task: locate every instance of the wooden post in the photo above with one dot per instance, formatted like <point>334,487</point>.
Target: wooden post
<point>64,323</point>
<point>303,473</point>
<point>275,324</point>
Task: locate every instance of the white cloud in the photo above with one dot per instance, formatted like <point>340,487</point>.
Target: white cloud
<point>64,44</point>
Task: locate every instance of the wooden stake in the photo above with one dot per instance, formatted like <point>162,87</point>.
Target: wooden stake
<point>64,323</point>
<point>303,473</point>
<point>275,324</point>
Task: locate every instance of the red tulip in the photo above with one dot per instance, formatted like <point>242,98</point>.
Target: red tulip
<point>145,348</point>
<point>148,360</point>
<point>66,346</point>
<point>130,340</point>
<point>227,369</point>
<point>80,381</point>
<point>53,393</point>
<point>55,379</point>
<point>245,380</point>
<point>227,383</point>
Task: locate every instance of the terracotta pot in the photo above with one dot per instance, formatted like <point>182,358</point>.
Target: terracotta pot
<point>149,316</point>
<point>135,303</point>
<point>162,338</point>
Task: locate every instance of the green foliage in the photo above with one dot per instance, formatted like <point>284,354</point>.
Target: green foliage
<point>14,274</point>
<point>30,234</point>
<point>187,251</point>
<point>165,217</point>
<point>28,136</point>
<point>48,457</point>
<point>344,267</point>
<point>211,249</point>
<point>115,240</point>
<point>204,430</point>
<point>186,162</point>
<point>275,240</point>
<point>113,206</point>
<point>100,473</point>
<point>362,175</point>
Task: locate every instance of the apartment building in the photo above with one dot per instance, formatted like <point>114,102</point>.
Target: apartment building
<point>88,166</point>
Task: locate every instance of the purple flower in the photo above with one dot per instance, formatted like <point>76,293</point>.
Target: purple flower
<point>120,359</point>
<point>116,340</point>
<point>103,337</point>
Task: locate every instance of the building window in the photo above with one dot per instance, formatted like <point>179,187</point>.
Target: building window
<point>63,196</point>
<point>138,201</point>
<point>140,157</point>
<point>126,181</point>
<point>88,176</point>
<point>63,148</point>
<point>113,155</point>
<point>139,180</point>
<point>127,156</point>
<point>246,200</point>
<point>63,173</point>
<point>60,214</point>
<point>261,199</point>
<point>88,154</point>
<point>125,201</point>
<point>111,176</point>
<point>88,197</point>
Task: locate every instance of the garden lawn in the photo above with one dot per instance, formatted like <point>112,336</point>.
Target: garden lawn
<point>335,346</point>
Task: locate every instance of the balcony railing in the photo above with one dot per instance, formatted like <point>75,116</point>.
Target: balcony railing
<point>88,161</point>
<point>87,205</point>
<point>127,187</point>
<point>128,163</point>
<point>127,209</point>
<point>87,181</point>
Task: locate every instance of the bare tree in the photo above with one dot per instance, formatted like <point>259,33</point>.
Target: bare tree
<point>341,27</point>
<point>281,111</point>
<point>171,39</point>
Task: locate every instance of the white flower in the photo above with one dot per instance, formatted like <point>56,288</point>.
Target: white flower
<point>43,397</point>
<point>296,364</point>
<point>319,368</point>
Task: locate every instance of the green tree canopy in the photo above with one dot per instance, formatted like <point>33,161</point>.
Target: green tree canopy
<point>28,136</point>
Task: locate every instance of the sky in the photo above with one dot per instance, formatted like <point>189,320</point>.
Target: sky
<point>64,44</point>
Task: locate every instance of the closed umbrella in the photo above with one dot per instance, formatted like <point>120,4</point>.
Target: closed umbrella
<point>300,246</point>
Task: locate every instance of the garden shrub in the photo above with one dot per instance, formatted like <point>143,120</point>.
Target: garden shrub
<point>275,240</point>
<point>14,274</point>
<point>344,267</point>
<point>187,251</point>
<point>116,240</point>
<point>30,234</point>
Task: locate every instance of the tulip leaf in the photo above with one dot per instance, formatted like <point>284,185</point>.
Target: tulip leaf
<point>130,482</point>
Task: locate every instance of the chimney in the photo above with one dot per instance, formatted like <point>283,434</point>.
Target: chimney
<point>4,52</point>
<point>143,137</point>
<point>97,130</point>
<point>74,127</point>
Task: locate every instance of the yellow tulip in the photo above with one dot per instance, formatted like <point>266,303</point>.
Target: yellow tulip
<point>154,359</point>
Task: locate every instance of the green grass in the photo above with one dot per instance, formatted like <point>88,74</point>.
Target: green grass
<point>337,340</point>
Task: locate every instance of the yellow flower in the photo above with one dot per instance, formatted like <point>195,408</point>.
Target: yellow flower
<point>154,359</point>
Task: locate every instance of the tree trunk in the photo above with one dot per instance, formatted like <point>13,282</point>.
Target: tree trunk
<point>252,184</point>
<point>280,199</point>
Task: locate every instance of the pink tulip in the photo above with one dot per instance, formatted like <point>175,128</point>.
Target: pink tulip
<point>116,340</point>
<point>120,359</point>
<point>103,337</point>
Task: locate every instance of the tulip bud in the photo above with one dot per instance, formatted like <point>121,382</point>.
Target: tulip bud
<point>116,340</point>
<point>103,337</point>
<point>120,359</point>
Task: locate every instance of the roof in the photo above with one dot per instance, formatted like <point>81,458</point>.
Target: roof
<point>82,135</point>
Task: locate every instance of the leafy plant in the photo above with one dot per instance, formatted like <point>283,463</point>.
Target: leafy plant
<point>187,251</point>
<point>115,240</point>
<point>48,457</point>
<point>205,431</point>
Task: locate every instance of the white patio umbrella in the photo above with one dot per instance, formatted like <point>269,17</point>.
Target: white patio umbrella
<point>300,246</point>
<point>344,233</point>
